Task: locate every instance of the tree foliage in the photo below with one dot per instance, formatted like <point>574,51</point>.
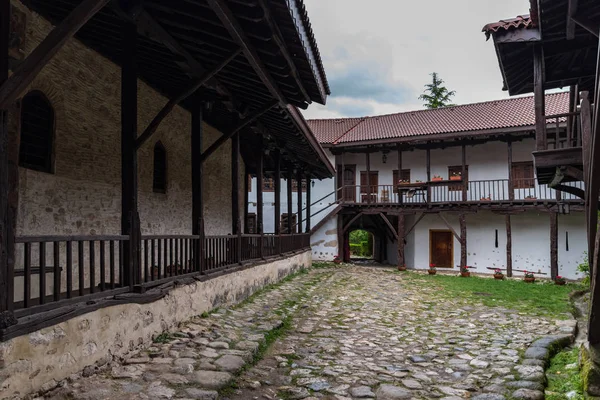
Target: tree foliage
<point>436,95</point>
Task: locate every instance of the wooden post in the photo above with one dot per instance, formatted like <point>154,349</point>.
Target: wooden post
<point>235,195</point>
<point>511,187</point>
<point>553,245</point>
<point>197,187</point>
<point>259,199</point>
<point>463,240</point>
<point>299,198</point>
<point>368,176</point>
<point>246,199</point>
<point>129,183</point>
<point>428,161</point>
<point>277,193</point>
<point>508,246</point>
<point>8,206</point>
<point>464,173</point>
<point>289,202</point>
<point>539,97</point>
<point>308,189</point>
<point>342,193</point>
<point>401,228</point>
<point>396,185</point>
<point>340,235</point>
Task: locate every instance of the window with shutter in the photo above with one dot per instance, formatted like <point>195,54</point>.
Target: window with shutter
<point>37,132</point>
<point>364,183</point>
<point>268,185</point>
<point>522,174</point>
<point>404,177</point>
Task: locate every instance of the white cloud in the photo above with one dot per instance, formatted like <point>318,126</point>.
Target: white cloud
<point>378,55</point>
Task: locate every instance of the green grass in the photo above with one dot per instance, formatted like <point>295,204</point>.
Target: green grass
<point>541,298</point>
<point>164,337</point>
<point>562,380</point>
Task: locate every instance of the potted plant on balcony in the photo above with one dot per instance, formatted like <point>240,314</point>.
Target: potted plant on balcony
<point>498,274</point>
<point>403,182</point>
<point>437,178</point>
<point>464,271</point>
<point>531,197</point>
<point>489,198</point>
<point>337,260</point>
<point>456,176</point>
<point>402,267</point>
<point>560,280</point>
<point>529,277</point>
<point>432,270</point>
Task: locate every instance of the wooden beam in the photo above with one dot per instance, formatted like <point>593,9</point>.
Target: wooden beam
<point>508,246</point>
<point>450,226</point>
<point>464,173</point>
<point>539,97</point>
<point>553,245</point>
<point>27,70</point>
<point>235,184</point>
<point>399,150</point>
<point>236,31</point>
<point>463,240</point>
<point>347,226</point>
<point>571,12</point>
<point>586,24</point>
<point>415,224</point>
<point>428,161</point>
<point>594,316</point>
<point>259,192</point>
<point>129,165</point>
<point>308,203</point>
<point>245,122</point>
<point>188,91</point>
<point>289,201</point>
<point>368,161</point>
<point>246,199</point>
<point>198,185</point>
<point>340,236</point>
<point>277,179</point>
<point>400,238</point>
<point>389,225</point>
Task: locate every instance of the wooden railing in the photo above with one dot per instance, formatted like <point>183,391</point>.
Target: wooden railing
<point>563,131</point>
<point>55,270</point>
<point>522,190</point>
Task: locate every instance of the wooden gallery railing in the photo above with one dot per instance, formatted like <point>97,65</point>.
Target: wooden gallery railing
<point>51,271</point>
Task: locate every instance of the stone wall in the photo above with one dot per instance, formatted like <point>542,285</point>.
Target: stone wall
<point>83,195</point>
<point>40,360</point>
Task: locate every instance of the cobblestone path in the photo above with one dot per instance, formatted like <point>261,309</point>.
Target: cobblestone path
<point>348,333</point>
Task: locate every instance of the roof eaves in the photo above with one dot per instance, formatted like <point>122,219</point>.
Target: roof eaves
<point>360,121</point>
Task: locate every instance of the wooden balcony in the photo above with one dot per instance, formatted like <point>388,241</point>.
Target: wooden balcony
<point>443,193</point>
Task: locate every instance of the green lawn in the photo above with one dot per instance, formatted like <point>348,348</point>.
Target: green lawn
<point>542,298</point>
<point>563,377</point>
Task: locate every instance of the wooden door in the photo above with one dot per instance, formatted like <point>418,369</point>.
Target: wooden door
<point>348,181</point>
<point>365,191</point>
<point>441,250</point>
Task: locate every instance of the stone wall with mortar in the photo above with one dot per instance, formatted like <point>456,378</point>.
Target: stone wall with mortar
<point>83,194</point>
<point>38,361</point>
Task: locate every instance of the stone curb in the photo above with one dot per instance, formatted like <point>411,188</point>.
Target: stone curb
<point>531,372</point>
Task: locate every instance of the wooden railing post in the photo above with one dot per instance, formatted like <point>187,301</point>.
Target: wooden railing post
<point>539,97</point>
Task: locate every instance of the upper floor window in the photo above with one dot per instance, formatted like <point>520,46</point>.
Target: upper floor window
<point>456,171</point>
<point>37,132</point>
<point>522,174</point>
<point>268,185</point>
<point>404,177</point>
<point>159,183</point>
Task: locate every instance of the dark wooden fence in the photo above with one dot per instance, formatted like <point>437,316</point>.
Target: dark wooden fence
<point>55,270</point>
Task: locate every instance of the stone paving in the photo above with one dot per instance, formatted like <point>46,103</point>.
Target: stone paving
<point>339,334</point>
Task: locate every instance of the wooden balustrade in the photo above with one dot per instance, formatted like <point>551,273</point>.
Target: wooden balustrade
<point>444,192</point>
<point>51,270</point>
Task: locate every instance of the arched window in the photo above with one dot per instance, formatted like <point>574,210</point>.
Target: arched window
<point>160,168</point>
<point>37,132</point>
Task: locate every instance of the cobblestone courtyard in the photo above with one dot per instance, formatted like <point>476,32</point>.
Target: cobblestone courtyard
<point>344,333</point>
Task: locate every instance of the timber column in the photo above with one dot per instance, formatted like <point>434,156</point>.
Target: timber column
<point>197,187</point>
<point>463,240</point>
<point>130,220</point>
<point>9,174</point>
<point>401,225</point>
<point>308,189</point>
<point>259,200</point>
<point>299,199</point>
<point>235,195</point>
<point>289,202</point>
<point>553,245</point>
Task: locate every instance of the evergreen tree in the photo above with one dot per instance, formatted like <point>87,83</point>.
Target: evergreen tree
<point>436,95</point>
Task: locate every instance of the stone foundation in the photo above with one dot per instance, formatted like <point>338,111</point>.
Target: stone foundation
<point>38,361</point>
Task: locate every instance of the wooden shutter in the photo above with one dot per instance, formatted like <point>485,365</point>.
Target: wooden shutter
<point>522,174</point>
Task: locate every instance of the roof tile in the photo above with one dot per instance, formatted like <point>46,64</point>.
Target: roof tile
<point>491,115</point>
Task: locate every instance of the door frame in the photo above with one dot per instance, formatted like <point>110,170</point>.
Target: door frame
<point>431,232</point>
<point>341,182</point>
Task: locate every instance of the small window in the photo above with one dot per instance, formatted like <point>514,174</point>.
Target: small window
<point>522,175</point>
<point>457,171</point>
<point>160,169</point>
<point>37,132</point>
<point>268,185</point>
<point>404,177</point>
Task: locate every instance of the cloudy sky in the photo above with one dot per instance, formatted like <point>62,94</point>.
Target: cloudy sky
<point>378,54</point>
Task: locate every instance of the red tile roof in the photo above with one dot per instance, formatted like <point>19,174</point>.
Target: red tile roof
<point>477,117</point>
<point>520,22</point>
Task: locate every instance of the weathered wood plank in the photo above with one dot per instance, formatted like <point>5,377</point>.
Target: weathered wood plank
<point>299,199</point>
<point>539,97</point>
<point>508,245</point>
<point>450,226</point>
<point>277,179</point>
<point>553,245</point>
<point>27,71</point>
<point>308,202</point>
<point>289,201</point>
<point>385,219</point>
<point>463,239</point>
